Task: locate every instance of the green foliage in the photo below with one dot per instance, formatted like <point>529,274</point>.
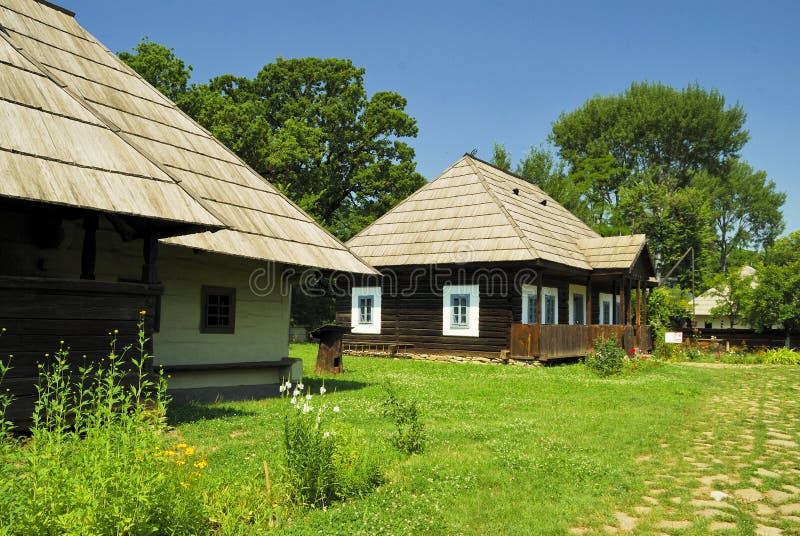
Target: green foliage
<point>160,67</point>
<point>775,297</point>
<point>732,292</point>
<point>781,356</point>
<point>308,126</point>
<point>409,436</point>
<point>501,157</point>
<point>745,206</point>
<point>324,462</point>
<point>606,358</point>
<point>95,462</point>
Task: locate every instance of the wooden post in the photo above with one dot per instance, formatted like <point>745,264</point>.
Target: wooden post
<point>622,301</point>
<point>628,316</point>
<point>614,319</point>
<point>149,268</point>
<point>89,250</point>
<point>589,301</point>
<point>644,305</point>
<point>539,304</point>
<point>638,302</point>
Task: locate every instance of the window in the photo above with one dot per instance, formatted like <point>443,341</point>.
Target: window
<point>530,305</point>
<point>218,309</point>
<point>577,304</point>
<point>609,306</point>
<point>549,305</point>
<point>460,310</point>
<point>460,306</point>
<point>365,310</point>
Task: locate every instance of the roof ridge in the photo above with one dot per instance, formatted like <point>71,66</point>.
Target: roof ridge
<point>108,124</point>
<point>404,201</point>
<point>514,225</point>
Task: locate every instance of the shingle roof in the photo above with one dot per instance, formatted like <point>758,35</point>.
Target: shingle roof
<point>94,134</point>
<point>475,212</point>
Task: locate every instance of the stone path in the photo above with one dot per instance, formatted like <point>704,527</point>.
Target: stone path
<point>738,473</point>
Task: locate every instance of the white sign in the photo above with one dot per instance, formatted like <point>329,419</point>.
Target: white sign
<point>673,337</point>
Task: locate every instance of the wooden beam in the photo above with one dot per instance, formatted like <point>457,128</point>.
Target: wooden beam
<point>89,249</point>
<point>150,252</point>
<point>628,316</point>
<point>614,315</point>
<point>539,305</point>
<point>589,301</point>
<point>638,302</point>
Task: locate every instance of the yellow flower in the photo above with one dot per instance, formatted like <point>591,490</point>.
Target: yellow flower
<point>180,446</point>
<point>169,453</point>
<point>142,312</point>
<point>189,451</point>
<point>185,484</point>
<point>202,464</point>
<point>180,462</point>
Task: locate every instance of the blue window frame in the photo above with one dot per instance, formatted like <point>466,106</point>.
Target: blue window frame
<point>365,309</point>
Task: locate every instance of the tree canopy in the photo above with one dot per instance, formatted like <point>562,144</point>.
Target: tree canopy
<point>160,66</point>
<point>664,162</point>
<point>308,126</point>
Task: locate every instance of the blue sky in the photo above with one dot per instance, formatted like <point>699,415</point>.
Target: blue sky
<point>479,72</point>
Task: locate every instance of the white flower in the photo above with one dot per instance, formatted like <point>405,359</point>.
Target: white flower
<point>293,401</point>
<point>336,409</point>
<point>296,392</point>
<point>308,396</point>
<point>288,385</point>
<point>300,386</point>
<point>307,408</point>
<point>322,390</point>
<point>325,435</point>
<point>282,388</point>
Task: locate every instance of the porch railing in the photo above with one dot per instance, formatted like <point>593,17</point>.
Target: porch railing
<point>553,341</point>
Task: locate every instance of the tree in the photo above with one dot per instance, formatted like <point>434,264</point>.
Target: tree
<point>653,130</point>
<point>501,157</point>
<point>732,291</point>
<point>775,297</point>
<point>158,65</point>
<point>308,126</point>
<point>745,207</point>
<point>637,155</point>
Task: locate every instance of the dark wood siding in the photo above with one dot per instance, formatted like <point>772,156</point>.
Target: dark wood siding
<point>39,313</point>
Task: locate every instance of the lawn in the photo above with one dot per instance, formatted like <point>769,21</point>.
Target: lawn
<point>524,450</point>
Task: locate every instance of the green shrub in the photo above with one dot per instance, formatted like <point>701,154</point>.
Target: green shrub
<point>409,436</point>
<point>97,461</point>
<point>324,461</point>
<point>606,357</point>
<point>781,356</point>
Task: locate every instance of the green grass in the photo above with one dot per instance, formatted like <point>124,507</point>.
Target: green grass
<point>511,450</point>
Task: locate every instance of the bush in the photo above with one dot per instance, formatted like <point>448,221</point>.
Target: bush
<point>97,461</point>
<point>324,461</point>
<point>606,358</point>
<point>409,436</point>
<point>781,356</point>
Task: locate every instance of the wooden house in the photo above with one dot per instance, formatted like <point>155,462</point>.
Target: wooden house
<point>479,261</point>
<point>113,201</point>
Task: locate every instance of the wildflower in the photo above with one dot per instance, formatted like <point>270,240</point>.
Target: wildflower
<point>180,446</point>
<point>322,390</point>
<point>169,453</point>
<point>300,386</point>
<point>116,331</point>
<point>308,396</point>
<point>293,401</point>
<point>282,388</point>
<point>202,464</point>
<point>180,462</point>
<point>307,408</point>
<point>326,435</point>
<point>185,484</point>
<point>189,451</point>
<point>296,392</point>
<point>288,385</point>
<point>336,409</point>
<point>142,312</point>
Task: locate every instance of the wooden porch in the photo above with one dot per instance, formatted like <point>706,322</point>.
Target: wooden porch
<point>557,341</point>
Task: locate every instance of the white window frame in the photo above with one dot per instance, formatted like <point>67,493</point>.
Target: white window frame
<point>473,315</point>
<point>374,327</point>
<point>579,290</point>
<point>549,291</point>
<point>613,299</point>
<point>527,291</point>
